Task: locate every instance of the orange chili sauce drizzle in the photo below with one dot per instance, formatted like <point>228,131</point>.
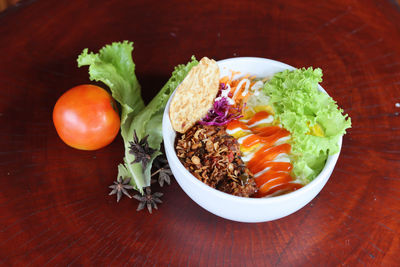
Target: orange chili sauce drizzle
<point>277,177</point>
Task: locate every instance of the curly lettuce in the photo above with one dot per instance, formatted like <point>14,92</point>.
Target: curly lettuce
<point>113,65</point>
<point>311,116</point>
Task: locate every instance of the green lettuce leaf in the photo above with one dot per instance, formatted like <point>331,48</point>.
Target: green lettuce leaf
<point>149,122</point>
<point>299,106</point>
<point>113,65</point>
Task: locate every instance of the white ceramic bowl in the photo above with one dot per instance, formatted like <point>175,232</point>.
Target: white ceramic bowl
<point>239,208</point>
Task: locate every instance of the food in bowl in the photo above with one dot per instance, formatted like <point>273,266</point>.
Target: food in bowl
<point>213,157</point>
<point>277,131</point>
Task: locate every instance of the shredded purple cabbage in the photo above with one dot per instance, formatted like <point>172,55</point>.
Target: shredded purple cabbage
<point>221,113</point>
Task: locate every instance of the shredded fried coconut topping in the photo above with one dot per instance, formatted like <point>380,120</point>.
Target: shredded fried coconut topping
<point>213,157</point>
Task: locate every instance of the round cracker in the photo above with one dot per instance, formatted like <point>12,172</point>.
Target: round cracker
<point>195,96</point>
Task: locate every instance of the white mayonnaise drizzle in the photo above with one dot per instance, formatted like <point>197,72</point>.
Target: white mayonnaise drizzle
<point>238,129</point>
<point>269,119</point>
<point>225,94</point>
<point>282,140</point>
<point>246,89</point>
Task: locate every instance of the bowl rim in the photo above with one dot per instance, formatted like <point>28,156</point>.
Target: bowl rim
<point>322,177</point>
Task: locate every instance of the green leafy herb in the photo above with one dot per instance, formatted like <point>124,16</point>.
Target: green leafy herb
<point>113,65</point>
<point>300,106</point>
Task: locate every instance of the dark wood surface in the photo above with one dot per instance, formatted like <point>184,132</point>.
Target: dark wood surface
<point>54,203</point>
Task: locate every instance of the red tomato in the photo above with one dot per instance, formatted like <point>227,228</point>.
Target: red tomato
<point>85,117</point>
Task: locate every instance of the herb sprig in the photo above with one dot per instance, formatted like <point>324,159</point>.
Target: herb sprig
<point>141,125</point>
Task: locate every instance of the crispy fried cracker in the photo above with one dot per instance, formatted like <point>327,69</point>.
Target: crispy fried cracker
<point>195,95</point>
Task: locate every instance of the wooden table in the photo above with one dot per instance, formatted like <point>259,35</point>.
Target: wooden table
<point>54,201</point>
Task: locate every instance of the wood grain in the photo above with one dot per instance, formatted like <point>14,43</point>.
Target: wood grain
<point>54,203</point>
